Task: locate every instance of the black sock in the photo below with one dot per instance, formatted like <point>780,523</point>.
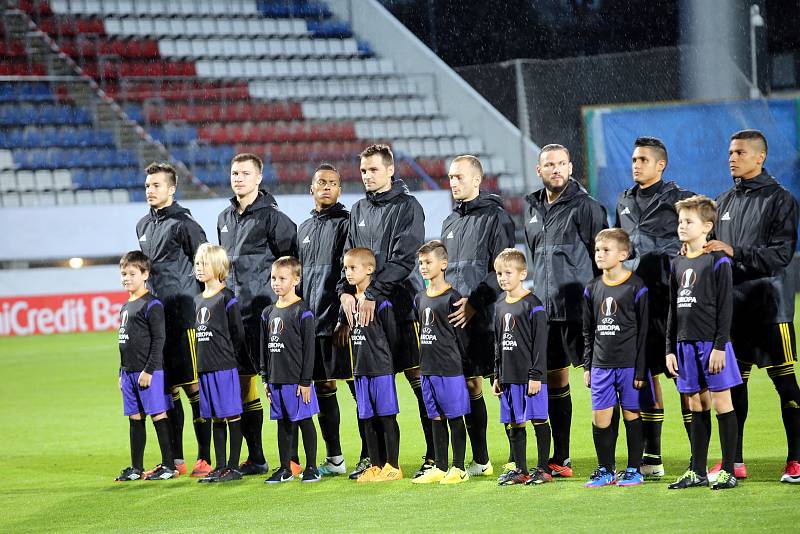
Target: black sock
<point>519,441</point>
<point>220,431</point>
<point>542,431</point>
<point>615,417</point>
<point>252,424</point>
<point>202,429</point>
<point>427,428</point>
<point>560,406</point>
<point>329,418</point>
<point>783,378</point>
<point>476,422</point>
<point>633,432</point>
<point>507,428</point>
<point>361,426</point>
<point>458,437</point>
<point>284,441</point>
<point>163,433</point>
<point>371,437</point>
<point>440,443</point>
<point>686,414</point>
<point>391,436</point>
<point>235,433</point>
<point>700,439</point>
<point>309,441</point>
<point>652,421</point>
<point>727,439</point>
<point>294,456</point>
<point>138,437</point>
<point>604,446</point>
<point>741,406</point>
<point>175,417</point>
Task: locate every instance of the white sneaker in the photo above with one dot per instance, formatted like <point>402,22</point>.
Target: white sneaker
<point>474,469</point>
<point>331,468</point>
<point>655,471</point>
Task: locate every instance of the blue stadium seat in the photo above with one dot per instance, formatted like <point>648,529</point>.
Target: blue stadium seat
<point>329,28</point>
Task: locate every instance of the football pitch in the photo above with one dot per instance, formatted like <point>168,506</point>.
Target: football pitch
<point>65,439</point>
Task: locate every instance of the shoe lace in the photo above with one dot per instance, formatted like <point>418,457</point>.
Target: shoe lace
<point>597,473</point>
<point>723,477</point>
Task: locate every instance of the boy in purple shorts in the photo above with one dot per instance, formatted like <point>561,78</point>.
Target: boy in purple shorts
<point>699,351</point>
<point>520,366</point>
<point>444,388</point>
<point>287,368</point>
<point>615,316</point>
<point>141,374</point>
<point>221,349</point>
<point>373,373</point>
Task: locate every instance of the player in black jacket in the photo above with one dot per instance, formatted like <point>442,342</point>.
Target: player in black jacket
<point>169,236</point>
<point>757,229</point>
<point>647,213</point>
<point>475,232</point>
<point>561,221</point>
<point>321,243</point>
<point>391,223</point>
<point>254,232</point>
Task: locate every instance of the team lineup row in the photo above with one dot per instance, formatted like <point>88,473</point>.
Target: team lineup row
<point>755,230</point>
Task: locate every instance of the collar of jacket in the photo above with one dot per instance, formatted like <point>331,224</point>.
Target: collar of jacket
<point>666,187</point>
<point>328,212</point>
<point>483,200</point>
<point>169,211</point>
<point>762,180</point>
<point>263,200</point>
<point>573,190</point>
<point>398,188</point>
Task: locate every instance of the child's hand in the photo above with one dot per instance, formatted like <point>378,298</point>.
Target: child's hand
<point>672,364</point>
<point>267,392</point>
<point>340,334</point>
<point>145,379</point>
<point>716,362</point>
<point>637,384</point>
<point>496,388</point>
<point>304,392</point>
<point>587,378</point>
<point>534,387</point>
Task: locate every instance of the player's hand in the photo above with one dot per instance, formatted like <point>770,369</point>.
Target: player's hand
<point>534,387</point>
<point>496,388</point>
<point>637,384</point>
<point>267,392</point>
<point>145,379</point>
<point>717,245</point>
<point>304,392</point>
<point>366,311</point>
<point>587,379</point>
<point>464,312</point>
<point>716,362</point>
<point>340,334</point>
<point>672,364</point>
<point>348,302</point>
<point>684,249</point>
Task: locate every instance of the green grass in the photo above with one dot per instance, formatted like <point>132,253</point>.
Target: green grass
<point>64,439</point>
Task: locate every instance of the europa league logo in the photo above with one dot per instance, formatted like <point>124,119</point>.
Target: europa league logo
<point>203,315</point>
<point>608,306</point>
<point>428,317</point>
<point>276,326</point>
<point>123,322</point>
<point>689,278</point>
<point>508,322</point>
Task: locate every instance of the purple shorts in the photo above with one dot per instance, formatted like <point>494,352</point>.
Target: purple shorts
<point>693,374</point>
<point>615,385</point>
<point>285,402</point>
<point>516,406</point>
<point>445,396</point>
<point>150,401</point>
<point>220,394</point>
<point>376,396</point>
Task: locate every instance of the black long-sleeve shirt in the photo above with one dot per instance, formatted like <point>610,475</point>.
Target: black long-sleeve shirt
<point>441,345</point>
<point>372,345</point>
<point>701,302</point>
<point>141,334</point>
<point>615,323</point>
<point>219,332</point>
<point>520,340</point>
<point>287,344</point>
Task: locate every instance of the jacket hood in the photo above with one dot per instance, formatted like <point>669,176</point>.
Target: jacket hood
<point>398,188</point>
<point>573,190</point>
<point>337,210</point>
<point>170,211</point>
<point>263,200</point>
<point>482,201</point>
<point>762,180</point>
